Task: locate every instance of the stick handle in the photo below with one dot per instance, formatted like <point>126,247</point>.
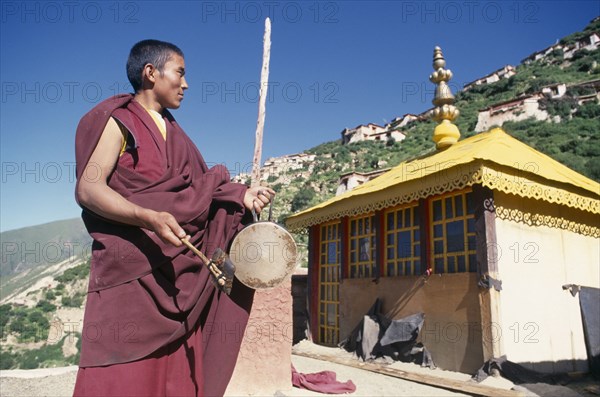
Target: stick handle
<point>211,266</point>
<point>195,251</point>
<point>260,123</point>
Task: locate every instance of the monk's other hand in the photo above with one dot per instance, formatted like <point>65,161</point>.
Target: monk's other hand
<point>257,197</point>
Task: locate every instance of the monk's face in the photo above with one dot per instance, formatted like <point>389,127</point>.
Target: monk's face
<point>170,83</point>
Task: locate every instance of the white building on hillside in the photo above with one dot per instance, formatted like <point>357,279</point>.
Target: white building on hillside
<point>371,132</point>
<point>528,106</point>
<point>361,133</point>
<point>513,110</point>
<point>404,121</point>
<point>502,73</point>
<point>589,43</point>
<point>276,166</point>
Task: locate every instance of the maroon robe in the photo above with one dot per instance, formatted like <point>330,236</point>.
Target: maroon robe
<point>147,299</point>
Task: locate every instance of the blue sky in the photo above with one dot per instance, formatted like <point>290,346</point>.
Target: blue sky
<point>333,65</point>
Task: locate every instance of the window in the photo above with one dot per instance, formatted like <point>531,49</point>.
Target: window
<point>329,276</point>
<point>403,241</point>
<point>453,233</point>
<point>361,247</point>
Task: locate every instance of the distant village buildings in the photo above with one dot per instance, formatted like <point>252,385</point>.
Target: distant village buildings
<point>502,73</point>
<point>374,132</point>
<point>276,166</point>
<point>530,106</point>
<point>301,163</point>
<point>589,42</point>
<point>370,132</point>
<point>361,133</point>
<point>291,165</point>
<point>404,121</point>
<point>536,56</point>
<point>512,110</point>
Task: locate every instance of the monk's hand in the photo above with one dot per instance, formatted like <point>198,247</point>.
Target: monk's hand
<point>166,227</point>
<point>257,197</point>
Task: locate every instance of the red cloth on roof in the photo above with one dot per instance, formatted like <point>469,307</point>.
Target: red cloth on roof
<point>144,294</point>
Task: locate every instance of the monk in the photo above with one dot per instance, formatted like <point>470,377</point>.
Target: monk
<point>154,323</point>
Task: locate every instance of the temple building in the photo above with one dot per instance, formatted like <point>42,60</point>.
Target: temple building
<point>480,236</point>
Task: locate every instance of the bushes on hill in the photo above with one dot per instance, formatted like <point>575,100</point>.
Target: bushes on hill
<point>29,324</point>
<point>562,107</point>
<point>49,355</point>
<point>574,142</point>
<point>73,301</point>
<point>45,306</point>
<point>590,110</point>
<point>302,199</point>
<point>75,273</point>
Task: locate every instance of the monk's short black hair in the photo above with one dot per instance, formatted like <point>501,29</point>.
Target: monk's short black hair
<point>155,52</point>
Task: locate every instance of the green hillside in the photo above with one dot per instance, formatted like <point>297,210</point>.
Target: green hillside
<point>33,332</point>
<point>41,245</point>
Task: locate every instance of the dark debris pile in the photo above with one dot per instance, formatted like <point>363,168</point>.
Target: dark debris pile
<point>378,336</point>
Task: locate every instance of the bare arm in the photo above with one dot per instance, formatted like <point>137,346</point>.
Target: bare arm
<point>95,194</point>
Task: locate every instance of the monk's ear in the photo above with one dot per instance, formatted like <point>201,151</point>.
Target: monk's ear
<point>149,73</point>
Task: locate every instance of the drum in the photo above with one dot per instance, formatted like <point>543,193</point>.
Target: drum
<point>264,254</point>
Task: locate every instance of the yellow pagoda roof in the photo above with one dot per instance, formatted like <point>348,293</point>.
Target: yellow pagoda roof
<point>493,159</point>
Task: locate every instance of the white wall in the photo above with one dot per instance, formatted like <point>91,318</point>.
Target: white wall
<point>541,322</point>
<point>529,108</point>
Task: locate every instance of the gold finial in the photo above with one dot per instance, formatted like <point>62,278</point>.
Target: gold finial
<point>446,133</point>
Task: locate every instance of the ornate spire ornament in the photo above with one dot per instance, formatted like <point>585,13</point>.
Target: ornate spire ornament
<point>446,133</point>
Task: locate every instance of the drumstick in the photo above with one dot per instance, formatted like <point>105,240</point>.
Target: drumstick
<point>195,250</point>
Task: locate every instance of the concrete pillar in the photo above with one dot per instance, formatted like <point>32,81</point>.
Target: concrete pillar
<point>265,359</point>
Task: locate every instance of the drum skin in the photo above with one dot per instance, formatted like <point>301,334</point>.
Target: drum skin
<point>264,255</point>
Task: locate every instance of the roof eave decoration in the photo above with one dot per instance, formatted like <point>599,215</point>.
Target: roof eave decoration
<point>491,175</point>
